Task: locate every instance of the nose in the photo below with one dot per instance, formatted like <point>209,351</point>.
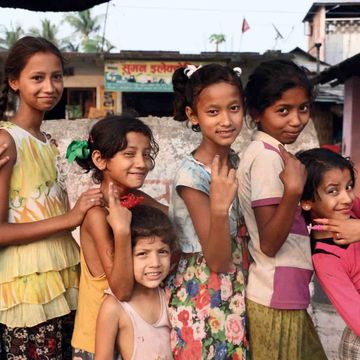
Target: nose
<point>226,119</point>
<point>296,119</point>
<point>48,85</point>
<point>155,260</point>
<point>140,161</point>
<point>347,197</point>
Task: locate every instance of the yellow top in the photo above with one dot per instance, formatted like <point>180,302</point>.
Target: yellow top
<point>38,281</point>
<point>91,296</point>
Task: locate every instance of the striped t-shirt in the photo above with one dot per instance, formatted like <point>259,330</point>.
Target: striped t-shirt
<point>282,281</point>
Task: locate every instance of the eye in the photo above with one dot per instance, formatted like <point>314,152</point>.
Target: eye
<point>283,111</point>
<point>141,254</point>
<point>235,108</point>
<point>333,191</point>
<point>212,112</point>
<point>129,154</point>
<point>147,155</point>
<point>304,108</point>
<point>164,252</point>
<point>350,187</point>
<point>37,77</point>
<point>58,76</point>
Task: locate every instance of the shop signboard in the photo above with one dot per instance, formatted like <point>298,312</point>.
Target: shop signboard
<point>141,76</point>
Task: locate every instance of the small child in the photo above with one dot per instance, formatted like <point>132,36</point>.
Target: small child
<point>329,193</point>
<point>139,328</point>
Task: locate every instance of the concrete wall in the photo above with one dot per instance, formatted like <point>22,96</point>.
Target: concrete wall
<point>175,140</point>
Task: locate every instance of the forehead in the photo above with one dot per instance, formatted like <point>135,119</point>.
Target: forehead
<point>296,95</point>
<point>138,140</point>
<point>215,92</point>
<point>336,176</point>
<point>43,62</point>
<point>150,242</point>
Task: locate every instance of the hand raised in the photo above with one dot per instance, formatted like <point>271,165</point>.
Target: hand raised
<point>119,217</point>
<point>294,174</point>
<point>223,186</point>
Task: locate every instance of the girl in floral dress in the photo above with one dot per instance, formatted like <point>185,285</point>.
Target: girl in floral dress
<point>206,306</point>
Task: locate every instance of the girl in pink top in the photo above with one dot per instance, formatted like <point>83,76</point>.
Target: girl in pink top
<point>329,193</point>
<point>139,328</point>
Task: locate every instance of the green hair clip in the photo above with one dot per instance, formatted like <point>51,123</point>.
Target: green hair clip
<point>78,149</point>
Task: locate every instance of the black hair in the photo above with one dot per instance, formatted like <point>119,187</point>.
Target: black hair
<point>317,162</point>
<point>270,80</point>
<point>187,89</point>
<point>148,221</point>
<point>108,136</point>
<point>17,58</point>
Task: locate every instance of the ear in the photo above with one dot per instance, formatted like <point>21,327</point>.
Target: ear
<point>98,160</point>
<point>14,84</point>
<point>255,116</point>
<point>306,205</point>
<point>191,115</point>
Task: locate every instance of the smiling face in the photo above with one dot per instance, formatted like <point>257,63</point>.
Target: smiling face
<point>128,168</point>
<point>286,118</point>
<point>151,260</point>
<point>40,83</point>
<point>219,113</point>
<point>335,196</point>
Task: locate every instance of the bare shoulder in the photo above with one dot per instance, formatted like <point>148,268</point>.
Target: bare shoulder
<point>150,201</point>
<point>94,216</point>
<point>6,138</point>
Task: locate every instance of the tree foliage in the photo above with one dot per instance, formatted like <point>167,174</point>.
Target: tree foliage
<point>217,39</point>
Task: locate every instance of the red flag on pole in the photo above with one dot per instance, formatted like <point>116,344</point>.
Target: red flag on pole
<point>245,26</point>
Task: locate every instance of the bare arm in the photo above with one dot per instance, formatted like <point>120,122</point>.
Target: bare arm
<point>107,328</point>
<point>274,222</point>
<point>113,251</point>
<point>24,233</point>
<point>3,159</point>
<point>210,215</point>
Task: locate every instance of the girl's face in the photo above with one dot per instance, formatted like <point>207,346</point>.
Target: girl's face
<point>40,84</point>
<point>219,113</point>
<point>128,168</point>
<point>335,196</point>
<point>151,259</point>
<point>286,118</point>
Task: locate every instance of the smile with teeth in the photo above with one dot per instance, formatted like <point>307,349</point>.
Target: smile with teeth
<point>229,131</point>
<point>154,275</point>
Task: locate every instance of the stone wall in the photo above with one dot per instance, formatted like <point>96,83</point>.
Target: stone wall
<point>175,140</point>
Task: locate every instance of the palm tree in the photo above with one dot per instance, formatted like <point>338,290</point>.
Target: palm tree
<point>48,31</point>
<point>10,36</point>
<point>84,24</point>
<point>217,39</point>
<point>97,44</point>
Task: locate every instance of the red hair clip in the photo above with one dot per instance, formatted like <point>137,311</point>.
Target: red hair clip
<point>130,200</point>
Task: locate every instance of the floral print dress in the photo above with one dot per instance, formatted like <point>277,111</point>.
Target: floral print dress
<point>206,309</point>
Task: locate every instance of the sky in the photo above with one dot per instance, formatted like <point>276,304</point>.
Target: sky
<point>186,25</point>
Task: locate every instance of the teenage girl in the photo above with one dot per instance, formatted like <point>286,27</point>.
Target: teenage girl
<point>39,259</point>
<point>120,150</point>
<point>139,328</point>
<point>278,97</point>
<point>207,308</point>
<point>329,193</point>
